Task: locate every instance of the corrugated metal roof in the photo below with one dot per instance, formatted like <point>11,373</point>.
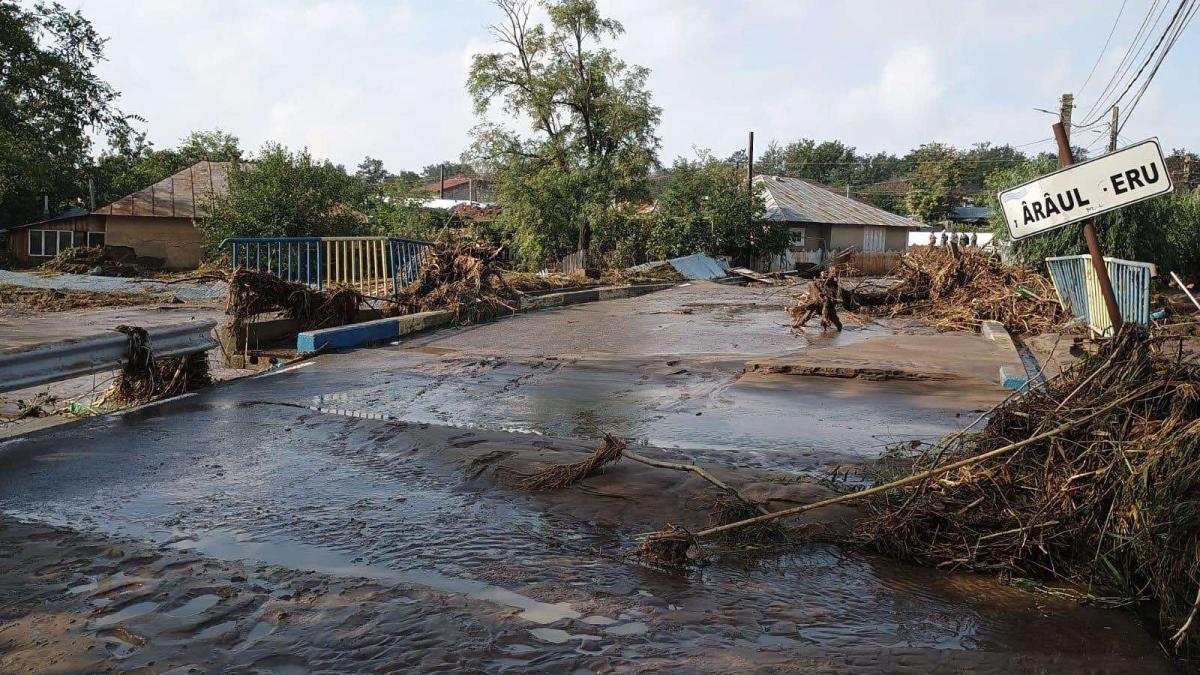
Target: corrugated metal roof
<point>183,195</point>
<point>699,266</point>
<point>796,200</point>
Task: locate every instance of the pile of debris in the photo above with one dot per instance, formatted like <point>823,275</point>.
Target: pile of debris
<point>144,378</point>
<point>953,289</point>
<point>253,292</point>
<point>57,300</point>
<point>462,276</point>
<point>108,261</point>
<point>1095,484</point>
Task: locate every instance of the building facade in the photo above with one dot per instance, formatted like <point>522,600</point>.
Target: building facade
<point>158,222</point>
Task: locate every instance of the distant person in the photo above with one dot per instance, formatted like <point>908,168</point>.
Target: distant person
<point>974,240</point>
<point>945,238</point>
<point>932,238</point>
<point>963,240</point>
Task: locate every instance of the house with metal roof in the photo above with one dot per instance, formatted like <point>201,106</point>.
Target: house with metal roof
<point>158,222</point>
<point>823,220</point>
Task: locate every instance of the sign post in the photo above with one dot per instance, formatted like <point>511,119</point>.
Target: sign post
<point>1065,159</point>
<point>1078,192</point>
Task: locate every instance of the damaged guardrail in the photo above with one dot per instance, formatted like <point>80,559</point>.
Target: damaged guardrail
<point>30,366</point>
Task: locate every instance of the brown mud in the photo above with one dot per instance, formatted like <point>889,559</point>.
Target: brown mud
<point>345,515</point>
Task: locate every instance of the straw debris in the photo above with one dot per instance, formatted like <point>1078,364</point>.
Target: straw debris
<point>951,288</point>
<point>253,292</point>
<point>559,476</point>
<point>1110,504</point>
<point>462,276</point>
<point>144,379</point>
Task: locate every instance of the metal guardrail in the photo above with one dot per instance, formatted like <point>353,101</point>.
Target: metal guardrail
<point>30,366</point>
<point>1079,290</point>
<point>376,266</point>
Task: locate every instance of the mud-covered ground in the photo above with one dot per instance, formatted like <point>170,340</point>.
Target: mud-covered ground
<point>352,513</point>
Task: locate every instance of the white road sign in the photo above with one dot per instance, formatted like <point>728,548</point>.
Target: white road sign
<point>1083,190</point>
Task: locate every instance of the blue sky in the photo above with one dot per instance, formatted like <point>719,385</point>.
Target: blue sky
<point>350,78</point>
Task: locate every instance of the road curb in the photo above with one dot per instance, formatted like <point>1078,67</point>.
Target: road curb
<point>384,330</point>
<point>1010,378</point>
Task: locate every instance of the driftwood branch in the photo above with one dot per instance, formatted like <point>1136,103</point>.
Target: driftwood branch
<point>936,471</point>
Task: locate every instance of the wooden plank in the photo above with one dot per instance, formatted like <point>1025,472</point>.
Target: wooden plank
<point>752,275</point>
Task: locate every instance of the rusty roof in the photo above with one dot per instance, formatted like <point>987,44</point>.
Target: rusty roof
<point>796,200</point>
<point>451,181</point>
<point>183,195</point>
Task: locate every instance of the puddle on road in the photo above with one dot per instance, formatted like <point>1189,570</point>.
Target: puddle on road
<point>759,424</point>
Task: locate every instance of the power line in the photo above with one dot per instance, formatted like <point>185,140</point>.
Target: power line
<point>1173,28</point>
<point>1104,48</point>
<point>1174,38</point>
<point>1128,59</point>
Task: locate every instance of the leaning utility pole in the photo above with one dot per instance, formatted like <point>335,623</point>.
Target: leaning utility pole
<point>1089,235</point>
<point>1112,129</point>
<point>1064,114</point>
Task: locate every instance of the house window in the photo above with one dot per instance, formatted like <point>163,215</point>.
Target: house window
<point>48,243</point>
<point>95,239</point>
<point>797,239</point>
<point>35,242</point>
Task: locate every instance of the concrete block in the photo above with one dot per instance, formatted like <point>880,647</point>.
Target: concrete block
<point>1013,380</point>
<point>613,292</point>
<point>352,335</point>
<point>530,303</point>
<point>996,332</point>
<point>576,297</point>
<point>412,323</point>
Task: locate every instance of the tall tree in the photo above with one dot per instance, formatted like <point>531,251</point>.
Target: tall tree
<point>592,140</point>
<point>936,173</point>
<point>51,102</point>
<point>371,172</point>
<point>133,163</point>
<point>286,194</point>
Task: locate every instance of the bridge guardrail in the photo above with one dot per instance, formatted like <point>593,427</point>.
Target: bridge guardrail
<point>375,266</point>
<point>1079,290</point>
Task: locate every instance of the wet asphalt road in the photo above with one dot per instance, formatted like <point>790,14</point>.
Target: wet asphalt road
<point>333,468</point>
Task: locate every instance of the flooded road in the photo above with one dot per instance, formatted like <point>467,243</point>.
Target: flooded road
<point>339,517</point>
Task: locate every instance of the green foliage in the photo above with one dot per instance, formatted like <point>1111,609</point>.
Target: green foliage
<point>936,171</point>
<point>707,207</point>
<point>394,209</point>
<point>286,194</point>
<point>136,164</point>
<point>592,138</point>
<point>51,102</point>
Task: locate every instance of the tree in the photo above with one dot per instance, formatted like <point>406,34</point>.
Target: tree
<point>214,146</point>
<point>592,124</point>
<point>286,194</point>
<point>132,163</point>
<point>51,102</point>
<point>707,207</point>
<point>371,172</point>
<point>936,172</point>
<point>432,172</point>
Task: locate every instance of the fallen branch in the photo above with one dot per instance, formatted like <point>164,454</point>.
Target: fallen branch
<point>853,496</point>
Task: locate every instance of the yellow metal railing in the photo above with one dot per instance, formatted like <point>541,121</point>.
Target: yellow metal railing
<point>361,263</point>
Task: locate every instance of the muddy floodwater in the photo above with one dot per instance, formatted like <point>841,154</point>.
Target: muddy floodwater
<point>339,516</point>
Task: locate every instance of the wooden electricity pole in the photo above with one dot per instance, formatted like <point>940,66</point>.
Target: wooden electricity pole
<point>1089,235</point>
<point>750,163</point>
<point>1112,129</point>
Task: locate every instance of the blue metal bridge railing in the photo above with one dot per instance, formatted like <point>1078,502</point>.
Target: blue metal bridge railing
<point>1079,290</point>
<point>376,266</point>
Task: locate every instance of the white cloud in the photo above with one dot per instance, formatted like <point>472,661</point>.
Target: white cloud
<point>357,77</point>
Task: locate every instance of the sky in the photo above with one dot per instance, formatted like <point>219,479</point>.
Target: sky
<point>351,78</point>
